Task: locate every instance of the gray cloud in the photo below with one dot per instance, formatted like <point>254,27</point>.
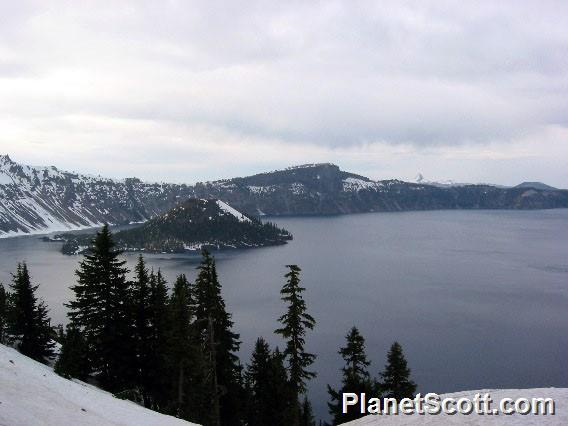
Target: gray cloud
<point>337,74</point>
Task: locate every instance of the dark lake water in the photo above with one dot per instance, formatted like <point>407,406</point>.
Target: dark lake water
<point>478,299</point>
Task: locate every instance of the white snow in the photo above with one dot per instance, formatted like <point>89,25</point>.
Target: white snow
<point>261,189</point>
<point>228,209</point>
<point>297,188</point>
<point>33,201</point>
<point>308,166</point>
<point>5,179</point>
<point>354,184</point>
<point>32,394</point>
<point>559,395</point>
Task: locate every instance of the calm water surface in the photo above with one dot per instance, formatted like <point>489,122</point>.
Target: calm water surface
<point>478,299</point>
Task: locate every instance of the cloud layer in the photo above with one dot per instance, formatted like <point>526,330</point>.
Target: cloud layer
<point>194,90</point>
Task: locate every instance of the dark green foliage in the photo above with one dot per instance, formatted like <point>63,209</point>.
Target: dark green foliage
<point>101,310</point>
<point>220,344</point>
<point>3,312</point>
<point>73,359</point>
<point>198,221</point>
<point>355,378</point>
<point>28,323</point>
<point>396,381</point>
<point>295,322</point>
<point>306,413</point>
<point>270,396</point>
<point>185,355</point>
<point>142,332</point>
<point>157,375</point>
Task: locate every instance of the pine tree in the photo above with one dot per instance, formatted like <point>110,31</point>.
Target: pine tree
<point>142,332</point>
<point>220,344</point>
<point>3,312</point>
<point>396,381</point>
<point>256,379</point>
<point>73,361</point>
<point>355,378</point>
<point>269,396</point>
<point>306,413</point>
<point>101,310</point>
<point>157,375</point>
<point>29,324</point>
<point>185,356</point>
<point>281,398</point>
<point>295,322</point>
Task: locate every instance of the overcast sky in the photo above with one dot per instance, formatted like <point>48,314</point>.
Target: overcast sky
<point>185,91</point>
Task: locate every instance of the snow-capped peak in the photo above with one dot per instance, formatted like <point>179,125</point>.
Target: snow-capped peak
<point>443,183</point>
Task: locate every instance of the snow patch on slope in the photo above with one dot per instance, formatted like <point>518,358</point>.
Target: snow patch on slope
<point>228,209</point>
<point>32,394</point>
<point>351,184</point>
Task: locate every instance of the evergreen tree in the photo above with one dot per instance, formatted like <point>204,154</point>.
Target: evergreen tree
<point>157,375</point>
<point>295,322</point>
<point>220,344</point>
<point>267,387</point>
<point>185,355</point>
<point>256,377</point>
<point>28,323</point>
<point>306,413</point>
<point>355,378</point>
<point>142,332</point>
<point>101,310</point>
<point>73,361</point>
<point>3,312</point>
<point>282,398</point>
<point>396,381</point>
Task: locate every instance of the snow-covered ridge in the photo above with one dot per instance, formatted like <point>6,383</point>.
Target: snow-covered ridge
<point>351,184</point>
<point>309,166</point>
<point>32,394</point>
<point>38,200</point>
<point>449,183</point>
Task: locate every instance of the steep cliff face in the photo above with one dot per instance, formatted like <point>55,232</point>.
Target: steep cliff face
<point>325,189</point>
<point>43,199</point>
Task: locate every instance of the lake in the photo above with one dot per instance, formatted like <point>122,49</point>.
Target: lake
<point>478,299</point>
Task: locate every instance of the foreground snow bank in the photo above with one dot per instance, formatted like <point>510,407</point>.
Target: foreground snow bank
<point>32,394</point>
<point>559,395</point>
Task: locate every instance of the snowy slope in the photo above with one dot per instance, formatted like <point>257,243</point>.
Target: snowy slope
<point>44,199</point>
<point>228,209</point>
<point>560,396</point>
<point>37,200</point>
<point>32,394</point>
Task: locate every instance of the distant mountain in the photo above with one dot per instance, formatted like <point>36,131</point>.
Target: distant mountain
<point>537,185</point>
<point>317,189</point>
<point>44,199</point>
<point>448,182</point>
<point>443,184</point>
<point>192,225</point>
